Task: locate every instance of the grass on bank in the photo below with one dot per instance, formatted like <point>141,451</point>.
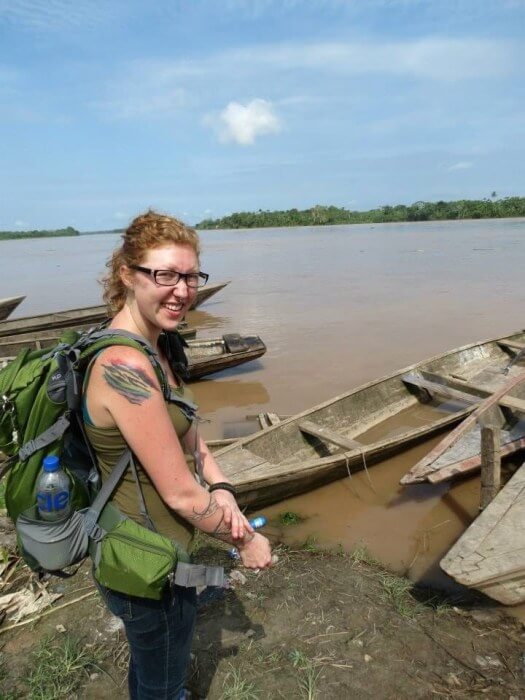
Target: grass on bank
<point>60,665</point>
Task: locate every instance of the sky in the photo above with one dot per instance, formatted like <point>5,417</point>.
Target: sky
<point>200,108</point>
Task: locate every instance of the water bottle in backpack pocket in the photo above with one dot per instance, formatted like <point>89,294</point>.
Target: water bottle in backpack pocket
<point>53,491</point>
<point>50,536</point>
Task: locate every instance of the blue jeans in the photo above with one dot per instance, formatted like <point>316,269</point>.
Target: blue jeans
<point>159,634</point>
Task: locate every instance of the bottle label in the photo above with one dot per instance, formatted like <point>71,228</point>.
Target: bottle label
<point>51,502</point>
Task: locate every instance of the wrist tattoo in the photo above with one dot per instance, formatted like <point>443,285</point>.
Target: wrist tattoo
<point>210,509</point>
<point>130,382</point>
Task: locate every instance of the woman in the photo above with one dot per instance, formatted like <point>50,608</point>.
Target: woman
<point>152,281</point>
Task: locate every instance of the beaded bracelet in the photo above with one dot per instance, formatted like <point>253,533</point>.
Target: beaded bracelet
<point>224,486</point>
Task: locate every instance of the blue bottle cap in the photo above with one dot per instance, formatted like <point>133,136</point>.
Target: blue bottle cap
<point>51,464</point>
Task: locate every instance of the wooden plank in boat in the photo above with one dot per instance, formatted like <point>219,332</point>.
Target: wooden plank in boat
<point>426,466</point>
<point>266,420</point>
<point>479,391</point>
<point>512,344</point>
<point>328,435</point>
<point>235,342</point>
<point>489,556</point>
<point>435,387</point>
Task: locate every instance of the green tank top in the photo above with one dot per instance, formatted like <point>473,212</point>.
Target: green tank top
<point>109,444</point>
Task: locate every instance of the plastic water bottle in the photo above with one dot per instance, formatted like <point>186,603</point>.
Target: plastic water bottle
<point>256,523</point>
<point>52,491</point>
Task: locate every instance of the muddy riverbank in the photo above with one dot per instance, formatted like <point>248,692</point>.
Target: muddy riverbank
<point>318,625</point>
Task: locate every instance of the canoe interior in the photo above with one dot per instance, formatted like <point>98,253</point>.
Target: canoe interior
<point>379,412</point>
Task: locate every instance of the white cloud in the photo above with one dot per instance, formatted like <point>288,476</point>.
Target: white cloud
<point>242,124</point>
<point>19,223</point>
<point>461,165</point>
<point>56,15</point>
<point>119,215</point>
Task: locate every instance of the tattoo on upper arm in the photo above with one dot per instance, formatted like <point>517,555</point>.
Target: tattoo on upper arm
<point>130,382</point>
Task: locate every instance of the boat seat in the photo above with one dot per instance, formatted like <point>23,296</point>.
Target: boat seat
<point>328,435</point>
<point>234,342</point>
<point>512,344</point>
<point>437,384</point>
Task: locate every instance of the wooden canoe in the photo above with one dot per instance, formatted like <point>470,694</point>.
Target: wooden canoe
<point>87,316</point>
<point>490,555</point>
<point>11,345</point>
<point>367,424</point>
<point>209,356</point>
<point>8,305</point>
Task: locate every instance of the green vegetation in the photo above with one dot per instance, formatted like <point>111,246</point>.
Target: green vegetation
<point>60,666</point>
<point>69,231</point>
<point>290,518</point>
<point>236,687</point>
<point>419,211</point>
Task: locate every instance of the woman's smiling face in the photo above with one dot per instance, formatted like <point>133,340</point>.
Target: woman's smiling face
<point>162,306</point>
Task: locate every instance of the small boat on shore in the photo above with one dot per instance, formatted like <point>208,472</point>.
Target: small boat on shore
<point>209,356</point>
<point>490,555</point>
<point>8,305</point>
<point>86,316</point>
<point>11,345</point>
<point>367,424</point>
<point>203,356</point>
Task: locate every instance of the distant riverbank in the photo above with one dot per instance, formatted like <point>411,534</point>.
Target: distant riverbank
<point>11,235</point>
<point>493,208</point>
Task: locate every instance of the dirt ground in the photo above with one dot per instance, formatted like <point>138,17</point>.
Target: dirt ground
<point>317,625</point>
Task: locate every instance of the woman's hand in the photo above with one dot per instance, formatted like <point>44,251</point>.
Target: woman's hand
<point>256,553</point>
<point>233,517</point>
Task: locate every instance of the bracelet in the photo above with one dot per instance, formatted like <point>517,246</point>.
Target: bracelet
<point>224,486</point>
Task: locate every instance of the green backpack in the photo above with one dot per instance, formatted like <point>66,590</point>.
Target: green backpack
<point>40,415</point>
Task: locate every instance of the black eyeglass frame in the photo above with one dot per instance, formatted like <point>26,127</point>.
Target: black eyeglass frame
<point>181,275</point>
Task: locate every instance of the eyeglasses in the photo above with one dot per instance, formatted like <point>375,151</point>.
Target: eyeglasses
<point>169,278</point>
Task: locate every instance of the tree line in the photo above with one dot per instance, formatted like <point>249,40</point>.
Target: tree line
<point>328,215</point>
<point>69,231</point>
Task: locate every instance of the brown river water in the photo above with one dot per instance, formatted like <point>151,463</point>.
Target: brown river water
<point>336,307</point>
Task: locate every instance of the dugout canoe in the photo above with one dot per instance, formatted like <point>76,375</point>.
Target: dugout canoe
<point>213,355</point>
<point>367,424</point>
<point>8,305</point>
<point>86,316</point>
<point>204,356</point>
<point>11,345</point>
<point>490,555</point>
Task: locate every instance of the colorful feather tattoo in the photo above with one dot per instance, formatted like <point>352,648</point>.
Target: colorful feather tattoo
<point>130,382</point>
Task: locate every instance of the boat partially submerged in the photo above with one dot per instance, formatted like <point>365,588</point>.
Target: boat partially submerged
<point>367,424</point>
<point>85,316</point>
<point>490,555</point>
<point>8,305</point>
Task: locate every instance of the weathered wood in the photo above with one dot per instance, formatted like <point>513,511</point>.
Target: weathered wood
<point>490,464</point>
<point>448,387</point>
<point>8,305</point>
<point>512,344</point>
<point>490,555</point>
<point>328,435</point>
<point>288,464</point>
<point>426,466</point>
<point>209,356</point>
